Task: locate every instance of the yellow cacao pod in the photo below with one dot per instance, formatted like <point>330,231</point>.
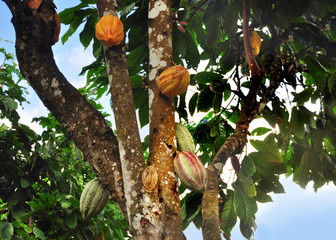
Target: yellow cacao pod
<point>174,81</point>
<point>185,141</point>
<point>93,199</point>
<point>110,31</point>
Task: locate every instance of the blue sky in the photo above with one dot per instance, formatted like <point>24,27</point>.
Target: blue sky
<point>299,214</point>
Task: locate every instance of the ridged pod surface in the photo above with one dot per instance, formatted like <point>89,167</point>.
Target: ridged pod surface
<point>93,199</point>
<point>110,31</point>
<point>185,141</point>
<point>190,170</point>
<point>174,81</point>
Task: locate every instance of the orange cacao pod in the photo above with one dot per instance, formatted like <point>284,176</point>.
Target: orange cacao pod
<point>174,81</point>
<point>57,29</point>
<point>110,31</point>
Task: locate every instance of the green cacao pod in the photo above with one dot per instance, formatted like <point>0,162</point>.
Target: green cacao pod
<point>190,170</point>
<point>93,199</point>
<point>185,141</point>
<point>174,81</point>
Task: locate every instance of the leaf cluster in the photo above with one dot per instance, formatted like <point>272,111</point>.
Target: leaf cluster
<point>296,57</point>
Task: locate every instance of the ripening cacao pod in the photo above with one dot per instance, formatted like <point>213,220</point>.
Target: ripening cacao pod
<point>34,4</point>
<point>57,29</point>
<point>190,170</point>
<point>110,31</point>
<point>93,199</point>
<point>185,141</point>
<point>174,81</point>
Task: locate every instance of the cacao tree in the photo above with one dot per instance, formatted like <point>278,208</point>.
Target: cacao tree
<point>263,60</point>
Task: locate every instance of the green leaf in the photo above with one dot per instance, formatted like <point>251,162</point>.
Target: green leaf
<point>206,77</point>
<point>67,16</point>
<point>119,233</point>
<point>205,99</point>
<point>72,29</point>
<point>97,48</point>
<point>127,9</point>
<point>270,147</point>
<point>9,104</point>
<point>6,230</point>
<point>192,56</point>
<point>246,228</point>
<point>38,233</point>
<point>71,220</point>
<point>88,32</point>
<point>13,199</point>
<point>302,177</point>
<point>23,234</point>
<point>179,46</point>
<point>263,197</point>
<point>18,212</point>
<point>303,96</point>
<point>247,167</point>
<point>229,216</point>
<point>245,206</point>
<point>217,102</point>
<point>260,131</point>
<point>144,114</point>
<point>228,60</point>
<point>192,104</point>
<point>24,183</point>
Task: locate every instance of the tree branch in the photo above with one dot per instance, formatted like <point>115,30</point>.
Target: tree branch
<point>130,148</point>
<point>162,122</point>
<point>82,122</point>
<point>210,211</point>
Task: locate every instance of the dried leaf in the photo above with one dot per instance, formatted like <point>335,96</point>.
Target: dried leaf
<point>255,43</point>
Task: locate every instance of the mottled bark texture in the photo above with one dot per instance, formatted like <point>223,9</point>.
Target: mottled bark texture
<point>130,148</point>
<point>162,122</point>
<point>82,123</point>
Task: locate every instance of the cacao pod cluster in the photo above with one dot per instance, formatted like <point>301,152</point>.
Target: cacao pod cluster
<point>110,31</point>
<point>173,81</point>
<point>187,165</point>
<point>93,199</point>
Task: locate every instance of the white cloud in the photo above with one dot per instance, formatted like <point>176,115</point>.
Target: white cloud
<point>71,62</point>
<point>29,112</point>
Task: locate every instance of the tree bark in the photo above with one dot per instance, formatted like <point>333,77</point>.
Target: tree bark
<point>130,148</point>
<point>81,121</point>
<point>162,119</point>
